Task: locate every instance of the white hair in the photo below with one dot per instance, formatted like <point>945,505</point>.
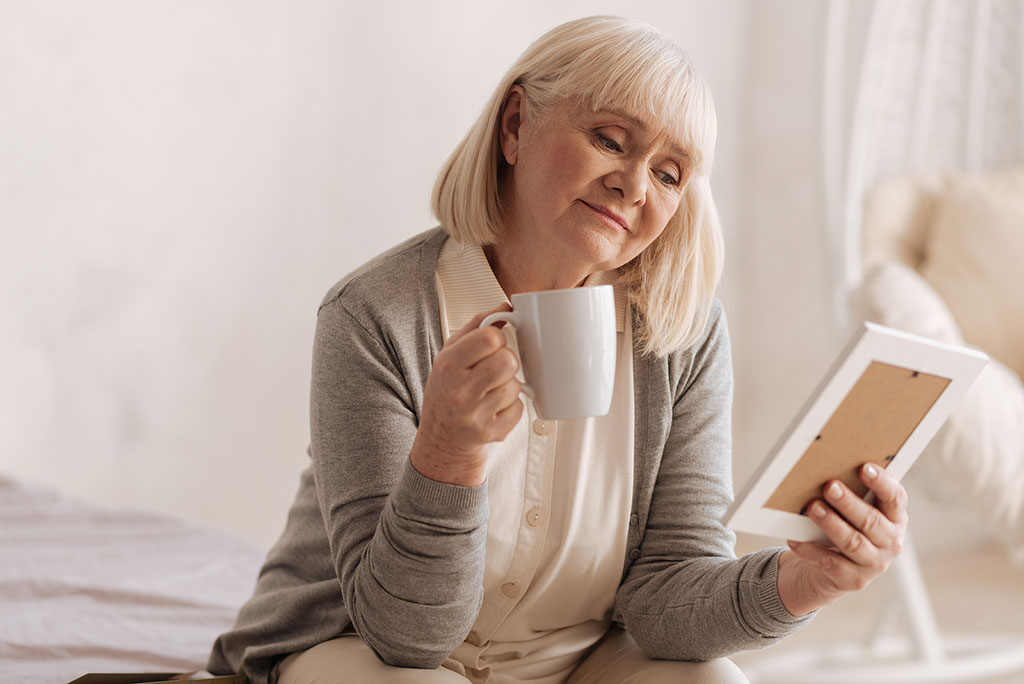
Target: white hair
<point>609,63</point>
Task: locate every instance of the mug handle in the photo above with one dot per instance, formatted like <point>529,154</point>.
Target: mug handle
<point>512,319</point>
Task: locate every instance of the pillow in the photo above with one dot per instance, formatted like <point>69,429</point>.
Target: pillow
<point>977,458</point>
<point>974,259</point>
<point>897,215</point>
<point>897,296</point>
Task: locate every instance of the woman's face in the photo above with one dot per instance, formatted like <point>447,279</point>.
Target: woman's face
<point>592,189</point>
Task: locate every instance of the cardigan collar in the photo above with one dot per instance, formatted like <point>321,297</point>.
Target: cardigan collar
<point>471,287</point>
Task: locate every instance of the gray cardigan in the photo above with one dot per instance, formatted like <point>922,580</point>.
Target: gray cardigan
<point>372,546</point>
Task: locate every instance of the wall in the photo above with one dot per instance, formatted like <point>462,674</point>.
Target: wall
<point>180,182</point>
<point>787,338</point>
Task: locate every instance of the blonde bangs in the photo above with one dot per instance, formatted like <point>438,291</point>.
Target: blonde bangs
<point>611,64</point>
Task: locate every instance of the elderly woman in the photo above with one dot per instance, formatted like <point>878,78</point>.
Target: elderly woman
<point>445,533</point>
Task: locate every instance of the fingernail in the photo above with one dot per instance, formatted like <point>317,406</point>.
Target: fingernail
<point>871,471</point>
<point>818,509</point>
<point>835,491</point>
<point>792,544</point>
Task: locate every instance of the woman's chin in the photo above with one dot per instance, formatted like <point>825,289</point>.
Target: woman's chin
<point>597,249</point>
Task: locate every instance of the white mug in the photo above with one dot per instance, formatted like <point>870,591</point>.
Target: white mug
<point>567,343</point>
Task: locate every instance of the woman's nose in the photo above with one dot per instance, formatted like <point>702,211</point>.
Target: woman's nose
<point>630,181</point>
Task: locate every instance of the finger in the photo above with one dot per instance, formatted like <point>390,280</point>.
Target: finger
<point>501,397</point>
<point>847,540</point>
<point>475,322</point>
<point>474,346</point>
<point>507,418</point>
<point>493,370</point>
<point>890,496</point>
<point>860,514</point>
<point>842,573</point>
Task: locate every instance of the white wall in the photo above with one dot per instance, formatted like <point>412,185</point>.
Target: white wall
<point>180,182</point>
<point>787,338</point>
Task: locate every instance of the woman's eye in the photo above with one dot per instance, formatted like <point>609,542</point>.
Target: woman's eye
<point>608,143</point>
<point>668,178</point>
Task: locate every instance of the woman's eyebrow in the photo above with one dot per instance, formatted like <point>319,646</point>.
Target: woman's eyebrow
<point>633,121</point>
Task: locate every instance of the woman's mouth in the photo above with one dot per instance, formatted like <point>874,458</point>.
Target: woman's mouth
<point>610,217</point>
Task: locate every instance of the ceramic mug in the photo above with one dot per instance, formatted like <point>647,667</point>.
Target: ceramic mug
<point>567,343</point>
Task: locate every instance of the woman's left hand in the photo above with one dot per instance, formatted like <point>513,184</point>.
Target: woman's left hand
<point>865,540</point>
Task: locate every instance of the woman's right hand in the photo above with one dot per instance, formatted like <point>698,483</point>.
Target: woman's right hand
<point>471,399</point>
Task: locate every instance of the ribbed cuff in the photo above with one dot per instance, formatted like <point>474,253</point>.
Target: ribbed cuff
<point>768,593</point>
<point>417,496</point>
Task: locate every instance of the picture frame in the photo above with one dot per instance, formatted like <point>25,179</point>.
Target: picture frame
<point>882,401</point>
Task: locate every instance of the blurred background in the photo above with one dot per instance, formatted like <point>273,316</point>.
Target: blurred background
<point>181,182</point>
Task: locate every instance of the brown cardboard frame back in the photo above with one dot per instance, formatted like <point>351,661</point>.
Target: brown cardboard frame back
<point>890,399</point>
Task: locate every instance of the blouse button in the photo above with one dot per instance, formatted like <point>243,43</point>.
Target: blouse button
<point>541,427</point>
<point>510,589</point>
<point>535,516</point>
<point>634,554</point>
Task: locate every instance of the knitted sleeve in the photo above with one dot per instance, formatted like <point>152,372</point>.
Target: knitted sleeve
<point>408,550</point>
<point>686,596</point>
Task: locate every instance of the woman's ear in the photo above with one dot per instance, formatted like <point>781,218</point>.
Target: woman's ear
<point>511,117</point>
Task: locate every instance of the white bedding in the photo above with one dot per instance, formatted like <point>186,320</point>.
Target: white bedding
<point>87,588</point>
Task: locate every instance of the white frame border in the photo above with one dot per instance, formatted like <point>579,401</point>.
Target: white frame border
<point>872,342</point>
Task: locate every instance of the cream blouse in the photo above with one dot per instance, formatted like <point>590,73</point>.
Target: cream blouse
<point>559,496</point>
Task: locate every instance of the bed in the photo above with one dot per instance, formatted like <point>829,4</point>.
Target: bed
<point>90,588</point>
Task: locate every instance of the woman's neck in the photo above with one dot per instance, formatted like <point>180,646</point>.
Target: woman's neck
<point>520,270</point>
<point>529,266</point>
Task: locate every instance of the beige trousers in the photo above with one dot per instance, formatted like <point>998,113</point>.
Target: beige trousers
<point>616,660</point>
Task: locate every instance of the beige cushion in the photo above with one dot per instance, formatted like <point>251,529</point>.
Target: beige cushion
<point>897,296</point>
<point>975,262</point>
<point>897,216</point>
<point>976,460</point>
